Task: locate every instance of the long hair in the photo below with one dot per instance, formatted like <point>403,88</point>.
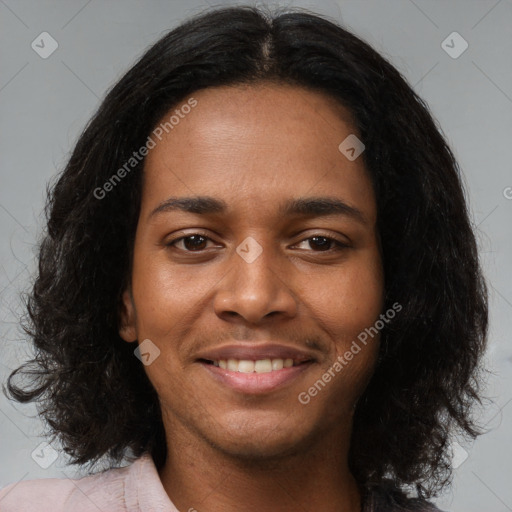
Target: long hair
<point>94,394</point>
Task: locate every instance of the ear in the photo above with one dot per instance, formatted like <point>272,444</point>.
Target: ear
<point>127,324</point>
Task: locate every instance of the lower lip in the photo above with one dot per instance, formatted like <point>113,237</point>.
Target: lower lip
<point>256,383</point>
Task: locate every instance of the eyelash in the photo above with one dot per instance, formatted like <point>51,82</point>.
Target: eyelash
<point>338,245</point>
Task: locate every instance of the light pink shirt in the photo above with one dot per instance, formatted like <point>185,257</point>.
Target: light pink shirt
<point>134,488</point>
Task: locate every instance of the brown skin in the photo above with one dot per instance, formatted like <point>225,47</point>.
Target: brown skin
<point>254,147</point>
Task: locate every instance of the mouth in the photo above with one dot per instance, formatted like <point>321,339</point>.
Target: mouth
<point>256,377</point>
<point>255,366</point>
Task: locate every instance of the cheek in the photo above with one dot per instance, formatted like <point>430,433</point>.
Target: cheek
<point>350,305</point>
<point>351,298</point>
<point>162,296</point>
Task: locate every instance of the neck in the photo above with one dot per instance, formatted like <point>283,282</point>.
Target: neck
<point>198,476</point>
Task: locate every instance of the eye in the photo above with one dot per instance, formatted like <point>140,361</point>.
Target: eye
<point>195,242</point>
<point>324,243</point>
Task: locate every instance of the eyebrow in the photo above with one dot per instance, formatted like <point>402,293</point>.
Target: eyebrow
<point>305,206</point>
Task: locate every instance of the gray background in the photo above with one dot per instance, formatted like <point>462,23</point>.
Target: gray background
<point>45,103</point>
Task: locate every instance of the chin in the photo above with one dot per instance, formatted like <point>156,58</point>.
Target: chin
<point>268,440</point>
<point>258,451</point>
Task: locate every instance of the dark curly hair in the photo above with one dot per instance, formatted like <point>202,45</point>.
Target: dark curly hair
<point>94,394</point>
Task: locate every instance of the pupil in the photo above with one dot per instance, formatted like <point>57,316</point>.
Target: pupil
<point>199,240</point>
<point>325,243</point>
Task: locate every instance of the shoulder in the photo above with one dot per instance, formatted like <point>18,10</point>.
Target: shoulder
<point>25,496</point>
<point>100,491</point>
<point>388,498</point>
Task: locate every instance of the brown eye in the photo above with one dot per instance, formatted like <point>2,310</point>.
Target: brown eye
<point>191,243</point>
<point>321,243</point>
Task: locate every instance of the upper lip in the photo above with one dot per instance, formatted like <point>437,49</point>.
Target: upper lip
<point>256,352</point>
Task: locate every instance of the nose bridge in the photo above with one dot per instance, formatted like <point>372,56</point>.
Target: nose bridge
<point>253,287</point>
<point>253,260</point>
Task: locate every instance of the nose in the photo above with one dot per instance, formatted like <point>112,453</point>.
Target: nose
<point>254,290</point>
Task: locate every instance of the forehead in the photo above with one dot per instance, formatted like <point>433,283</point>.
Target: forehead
<point>256,144</point>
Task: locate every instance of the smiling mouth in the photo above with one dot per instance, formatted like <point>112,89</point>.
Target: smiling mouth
<point>254,366</point>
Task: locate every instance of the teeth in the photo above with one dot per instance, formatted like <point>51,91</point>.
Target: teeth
<point>259,366</point>
<point>232,365</point>
<point>263,366</point>
<point>245,366</point>
<point>277,364</point>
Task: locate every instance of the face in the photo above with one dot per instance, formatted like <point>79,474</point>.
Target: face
<point>251,279</point>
